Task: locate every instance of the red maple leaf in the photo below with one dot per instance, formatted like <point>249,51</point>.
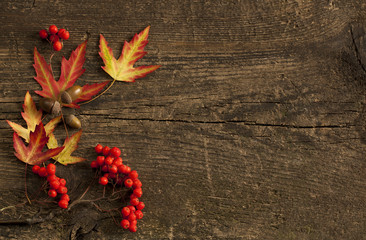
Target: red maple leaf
<point>71,70</point>
<point>32,154</point>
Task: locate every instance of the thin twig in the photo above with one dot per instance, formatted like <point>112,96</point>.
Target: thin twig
<point>13,206</point>
<point>63,121</point>
<point>25,184</point>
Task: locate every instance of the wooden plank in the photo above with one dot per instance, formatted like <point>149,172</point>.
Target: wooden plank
<point>253,128</point>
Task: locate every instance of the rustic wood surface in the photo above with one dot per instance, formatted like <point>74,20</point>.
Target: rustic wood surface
<point>253,128</point>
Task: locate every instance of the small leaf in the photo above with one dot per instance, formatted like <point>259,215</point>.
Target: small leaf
<point>33,154</point>
<point>122,69</point>
<point>70,145</point>
<point>32,118</point>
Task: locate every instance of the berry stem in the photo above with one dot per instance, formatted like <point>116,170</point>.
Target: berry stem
<point>100,94</point>
<point>25,184</point>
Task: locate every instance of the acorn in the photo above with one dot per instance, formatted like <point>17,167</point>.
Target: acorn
<point>50,105</point>
<point>73,121</point>
<point>71,94</point>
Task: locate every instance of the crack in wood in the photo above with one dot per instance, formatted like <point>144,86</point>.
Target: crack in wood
<point>249,123</point>
<point>357,52</point>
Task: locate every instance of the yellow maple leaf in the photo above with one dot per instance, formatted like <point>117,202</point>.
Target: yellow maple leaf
<point>32,117</point>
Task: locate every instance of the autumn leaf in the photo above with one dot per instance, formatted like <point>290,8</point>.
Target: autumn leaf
<point>32,117</point>
<point>71,70</point>
<point>70,145</point>
<point>32,154</point>
<point>122,69</point>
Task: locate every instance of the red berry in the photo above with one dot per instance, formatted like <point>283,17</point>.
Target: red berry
<point>63,204</point>
<point>134,201</point>
<point>55,184</point>
<point>62,182</point>
<point>137,183</point>
<point>115,152</point>
<point>106,150</point>
<point>121,168</point>
<point>126,211</point>
<point>62,33</point>
<point>132,228</point>
<point>132,208</point>
<point>53,29</point>
<point>57,46</point>
<point>128,183</point>
<point>105,168</point>
<point>62,189</point>
<point>65,197</point>
<point>125,223</point>
<point>51,178</point>
<point>51,169</point>
<point>52,193</point>
<point>103,181</point>
<point>131,217</point>
<point>118,161</point>
<point>113,169</point>
<point>134,222</point>
<point>106,175</point>
<point>108,160</point>
<point>124,169</point>
<point>139,214</point>
<point>98,149</point>
<point>94,164</point>
<point>128,170</point>
<point>53,38</point>
<point>35,169</point>
<point>140,206</point>
<point>100,160</point>
<point>42,172</point>
<point>43,34</point>
<point>66,35</point>
<point>137,192</point>
<point>133,175</point>
<point>133,196</point>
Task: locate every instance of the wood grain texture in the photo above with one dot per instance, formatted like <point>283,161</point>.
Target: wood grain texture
<point>253,128</point>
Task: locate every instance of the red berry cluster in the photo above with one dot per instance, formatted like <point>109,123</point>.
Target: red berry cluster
<point>110,163</point>
<point>56,185</point>
<point>55,36</point>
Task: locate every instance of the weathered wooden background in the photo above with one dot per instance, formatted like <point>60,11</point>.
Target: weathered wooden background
<point>253,128</point>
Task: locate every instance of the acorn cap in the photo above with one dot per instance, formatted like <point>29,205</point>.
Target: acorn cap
<point>50,105</point>
<point>66,98</point>
<point>56,109</point>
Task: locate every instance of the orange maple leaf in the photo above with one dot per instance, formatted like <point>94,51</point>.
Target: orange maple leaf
<point>122,69</point>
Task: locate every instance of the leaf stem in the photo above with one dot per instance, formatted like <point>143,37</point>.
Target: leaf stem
<point>100,94</point>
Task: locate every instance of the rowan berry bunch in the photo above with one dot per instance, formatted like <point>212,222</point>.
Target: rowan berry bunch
<point>115,172</point>
<point>55,36</point>
<point>56,185</point>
